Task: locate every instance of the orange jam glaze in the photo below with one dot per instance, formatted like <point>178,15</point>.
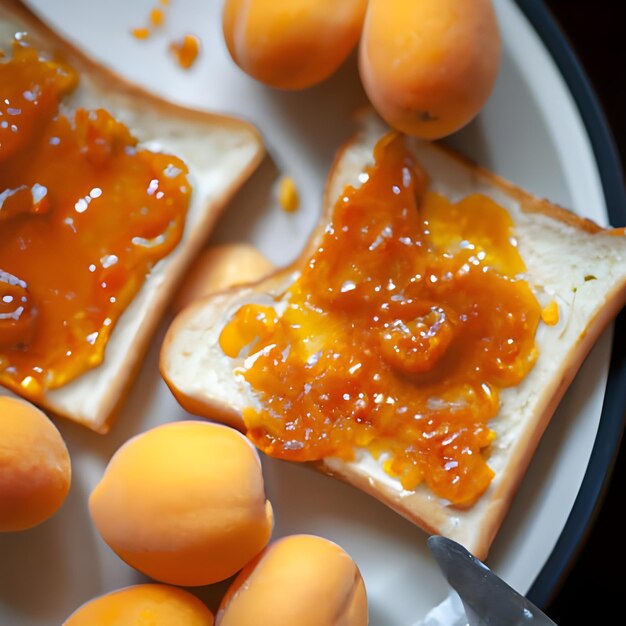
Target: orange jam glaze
<point>186,50</point>
<point>397,336</point>
<point>84,215</point>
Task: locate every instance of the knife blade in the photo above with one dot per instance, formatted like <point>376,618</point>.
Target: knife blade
<point>487,599</point>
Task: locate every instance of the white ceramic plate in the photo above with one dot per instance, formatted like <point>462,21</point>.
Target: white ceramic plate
<point>530,132</point>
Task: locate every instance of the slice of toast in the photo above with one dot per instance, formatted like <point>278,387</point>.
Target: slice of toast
<point>569,259</point>
<point>220,152</point>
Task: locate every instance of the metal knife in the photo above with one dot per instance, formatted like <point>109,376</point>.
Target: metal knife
<point>487,599</point>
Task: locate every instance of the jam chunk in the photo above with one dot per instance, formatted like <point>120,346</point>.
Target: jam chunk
<point>396,337</point>
<point>85,213</point>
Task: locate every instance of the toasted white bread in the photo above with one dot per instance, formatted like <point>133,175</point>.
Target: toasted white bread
<point>569,259</point>
<point>220,152</point>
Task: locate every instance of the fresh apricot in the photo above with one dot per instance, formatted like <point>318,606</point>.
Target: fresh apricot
<point>298,579</point>
<point>184,503</point>
<point>219,267</point>
<point>429,67</point>
<point>143,605</point>
<point>291,44</point>
<point>35,466</point>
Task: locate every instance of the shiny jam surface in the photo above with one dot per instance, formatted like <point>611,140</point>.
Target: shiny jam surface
<point>397,336</point>
<point>84,215</point>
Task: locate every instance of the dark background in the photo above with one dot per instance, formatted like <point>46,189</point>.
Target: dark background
<point>595,586</point>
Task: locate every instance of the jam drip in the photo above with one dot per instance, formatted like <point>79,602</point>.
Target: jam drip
<point>396,337</point>
<point>85,213</point>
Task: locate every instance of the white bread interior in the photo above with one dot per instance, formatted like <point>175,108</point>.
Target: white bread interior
<point>220,153</point>
<point>569,259</point>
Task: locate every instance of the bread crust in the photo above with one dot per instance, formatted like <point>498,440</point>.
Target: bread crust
<point>148,114</point>
<point>570,259</point>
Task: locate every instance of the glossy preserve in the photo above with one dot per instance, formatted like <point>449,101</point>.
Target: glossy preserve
<point>84,215</point>
<point>397,336</point>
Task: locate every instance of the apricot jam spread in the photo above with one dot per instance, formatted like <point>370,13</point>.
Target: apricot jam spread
<point>397,335</point>
<point>84,215</point>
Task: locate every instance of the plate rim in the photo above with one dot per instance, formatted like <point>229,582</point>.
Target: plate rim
<point>612,422</point>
